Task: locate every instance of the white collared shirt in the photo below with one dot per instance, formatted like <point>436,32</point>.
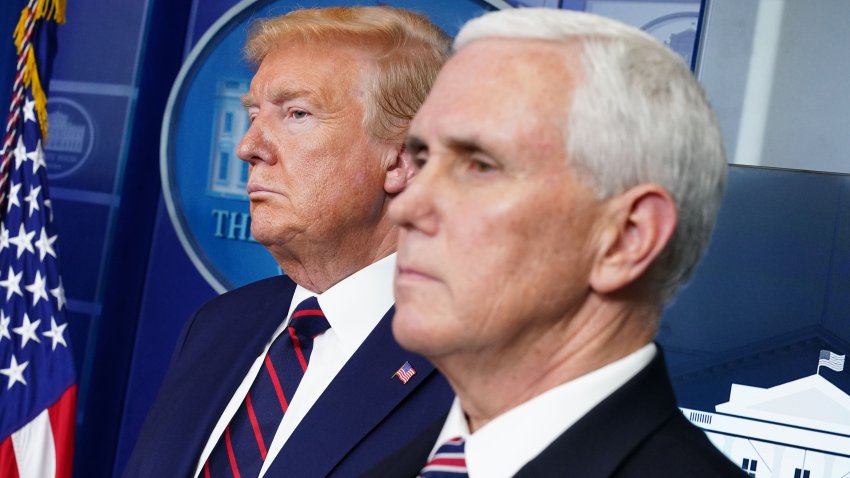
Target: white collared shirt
<point>353,307</point>
<point>504,445</point>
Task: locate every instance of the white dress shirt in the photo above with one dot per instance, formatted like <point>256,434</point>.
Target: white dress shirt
<point>504,445</point>
<point>353,307</point>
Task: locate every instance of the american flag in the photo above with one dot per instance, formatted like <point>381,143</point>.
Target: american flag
<point>831,360</point>
<point>37,382</point>
<point>405,372</point>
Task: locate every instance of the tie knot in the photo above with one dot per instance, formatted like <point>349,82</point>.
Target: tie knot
<point>308,319</point>
<point>448,461</point>
<point>452,445</point>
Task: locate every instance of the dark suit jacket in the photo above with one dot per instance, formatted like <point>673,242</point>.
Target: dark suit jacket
<point>363,416</point>
<point>636,432</point>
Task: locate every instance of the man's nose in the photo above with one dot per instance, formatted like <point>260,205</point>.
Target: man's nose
<point>254,147</point>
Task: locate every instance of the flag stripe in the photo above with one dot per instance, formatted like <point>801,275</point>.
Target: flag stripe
<point>8,463</point>
<point>62,416</point>
<point>35,451</point>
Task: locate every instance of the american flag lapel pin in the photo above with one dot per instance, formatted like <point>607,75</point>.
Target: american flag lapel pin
<point>405,372</point>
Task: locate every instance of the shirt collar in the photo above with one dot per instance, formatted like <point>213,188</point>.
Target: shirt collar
<point>504,445</point>
<point>355,305</point>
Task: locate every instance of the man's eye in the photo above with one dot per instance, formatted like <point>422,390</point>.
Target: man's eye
<point>480,166</point>
<point>299,114</point>
<point>419,161</point>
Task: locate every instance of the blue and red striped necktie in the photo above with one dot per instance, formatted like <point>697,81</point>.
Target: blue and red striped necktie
<point>242,448</point>
<point>448,461</point>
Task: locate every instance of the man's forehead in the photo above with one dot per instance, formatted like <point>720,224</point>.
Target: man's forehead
<point>298,71</point>
<point>520,119</point>
<point>501,80</point>
<point>523,55</point>
<point>278,92</point>
<point>326,55</point>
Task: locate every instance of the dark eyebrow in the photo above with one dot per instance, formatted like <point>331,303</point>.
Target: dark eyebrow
<point>414,144</point>
<point>466,146</point>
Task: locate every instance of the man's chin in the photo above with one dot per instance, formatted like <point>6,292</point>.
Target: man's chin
<point>261,236</point>
<point>266,232</point>
<point>409,329</point>
<point>417,332</point>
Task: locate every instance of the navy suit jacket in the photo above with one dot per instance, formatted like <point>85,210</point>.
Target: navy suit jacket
<point>363,416</point>
<point>636,432</point>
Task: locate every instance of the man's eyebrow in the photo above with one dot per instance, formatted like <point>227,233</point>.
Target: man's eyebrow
<point>415,144</point>
<point>464,145</point>
<point>281,94</point>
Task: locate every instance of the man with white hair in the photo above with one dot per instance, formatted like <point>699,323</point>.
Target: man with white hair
<point>569,175</point>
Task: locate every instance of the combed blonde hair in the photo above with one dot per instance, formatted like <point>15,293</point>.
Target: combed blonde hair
<point>407,51</point>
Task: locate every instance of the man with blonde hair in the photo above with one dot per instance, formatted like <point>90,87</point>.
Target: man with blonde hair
<point>569,175</point>
<point>299,375</point>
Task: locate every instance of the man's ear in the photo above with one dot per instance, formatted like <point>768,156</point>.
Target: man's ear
<point>399,171</point>
<point>638,225</point>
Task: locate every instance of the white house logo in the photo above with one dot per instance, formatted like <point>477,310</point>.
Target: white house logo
<point>203,180</point>
<point>798,429</point>
<point>71,137</point>
<point>228,175</point>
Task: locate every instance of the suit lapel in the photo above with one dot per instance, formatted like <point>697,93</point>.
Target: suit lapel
<point>596,445</point>
<point>231,336</point>
<point>359,397</point>
<point>408,461</point>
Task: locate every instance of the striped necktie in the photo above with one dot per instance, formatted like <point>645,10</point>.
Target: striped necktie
<point>447,462</point>
<point>242,448</point>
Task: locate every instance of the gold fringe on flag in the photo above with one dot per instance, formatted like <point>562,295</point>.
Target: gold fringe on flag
<point>44,9</point>
<point>51,10</point>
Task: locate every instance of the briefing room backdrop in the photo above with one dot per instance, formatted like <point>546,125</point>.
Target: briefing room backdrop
<point>152,221</point>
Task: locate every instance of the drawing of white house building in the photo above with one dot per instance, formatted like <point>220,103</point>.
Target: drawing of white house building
<point>65,134</point>
<point>228,175</point>
<point>799,429</point>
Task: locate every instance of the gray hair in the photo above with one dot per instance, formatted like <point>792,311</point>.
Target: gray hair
<point>637,116</point>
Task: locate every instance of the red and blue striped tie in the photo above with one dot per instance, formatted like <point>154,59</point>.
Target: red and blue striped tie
<point>447,462</point>
<point>242,448</point>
